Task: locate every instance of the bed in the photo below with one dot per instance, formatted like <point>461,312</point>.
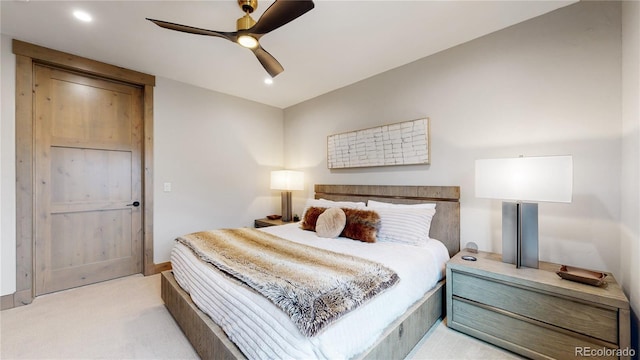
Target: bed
<point>397,338</point>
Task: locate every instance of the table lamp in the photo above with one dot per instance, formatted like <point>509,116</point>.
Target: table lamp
<point>287,180</point>
<point>524,181</point>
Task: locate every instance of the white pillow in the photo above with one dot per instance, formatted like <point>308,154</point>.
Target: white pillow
<point>330,203</point>
<point>331,223</point>
<point>405,224</point>
<point>379,204</point>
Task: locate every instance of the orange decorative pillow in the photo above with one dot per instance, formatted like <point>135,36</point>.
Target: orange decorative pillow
<point>311,217</point>
<point>361,225</point>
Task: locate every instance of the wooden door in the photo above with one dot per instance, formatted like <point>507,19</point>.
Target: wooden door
<point>88,171</point>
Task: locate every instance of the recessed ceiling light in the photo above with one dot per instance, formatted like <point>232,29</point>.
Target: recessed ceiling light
<point>268,81</point>
<point>82,15</point>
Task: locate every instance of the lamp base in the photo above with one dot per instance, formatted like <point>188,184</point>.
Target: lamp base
<point>286,206</point>
<point>520,234</point>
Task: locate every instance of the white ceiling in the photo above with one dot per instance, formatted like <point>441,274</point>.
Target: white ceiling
<point>334,45</point>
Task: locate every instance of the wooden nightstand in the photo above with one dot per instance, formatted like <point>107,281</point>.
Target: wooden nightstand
<point>534,312</point>
<point>258,223</point>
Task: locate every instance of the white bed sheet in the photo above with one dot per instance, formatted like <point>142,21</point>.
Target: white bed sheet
<point>262,331</point>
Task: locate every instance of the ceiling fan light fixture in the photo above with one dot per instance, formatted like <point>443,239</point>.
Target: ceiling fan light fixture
<point>247,41</point>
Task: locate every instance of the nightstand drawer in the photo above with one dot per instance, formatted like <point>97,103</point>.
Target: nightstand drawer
<point>536,340</point>
<point>580,317</point>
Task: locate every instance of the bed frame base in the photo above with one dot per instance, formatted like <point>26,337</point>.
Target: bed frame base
<point>210,341</point>
<point>402,336</point>
<point>207,338</point>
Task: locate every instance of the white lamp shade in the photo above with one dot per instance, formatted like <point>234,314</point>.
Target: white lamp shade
<point>287,180</point>
<point>544,178</point>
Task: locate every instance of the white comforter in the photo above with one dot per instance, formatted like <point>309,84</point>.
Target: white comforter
<point>263,331</point>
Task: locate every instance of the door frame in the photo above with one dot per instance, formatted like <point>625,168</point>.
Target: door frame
<point>26,56</point>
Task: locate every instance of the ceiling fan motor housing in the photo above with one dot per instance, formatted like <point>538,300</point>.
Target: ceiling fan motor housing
<point>245,22</point>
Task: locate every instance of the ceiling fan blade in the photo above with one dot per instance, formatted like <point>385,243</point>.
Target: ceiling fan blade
<point>280,13</point>
<point>267,60</point>
<point>232,36</point>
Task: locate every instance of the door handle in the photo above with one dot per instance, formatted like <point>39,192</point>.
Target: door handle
<point>134,204</point>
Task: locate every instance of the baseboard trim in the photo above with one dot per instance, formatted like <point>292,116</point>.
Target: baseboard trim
<point>158,268</point>
<point>18,298</point>
<point>6,302</point>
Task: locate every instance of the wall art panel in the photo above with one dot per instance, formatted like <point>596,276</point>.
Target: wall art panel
<point>404,143</point>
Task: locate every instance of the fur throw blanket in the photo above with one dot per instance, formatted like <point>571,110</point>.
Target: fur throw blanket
<point>314,287</point>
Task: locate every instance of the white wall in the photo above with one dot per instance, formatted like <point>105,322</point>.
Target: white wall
<point>7,168</point>
<point>551,85</point>
<point>216,151</point>
<point>630,184</point>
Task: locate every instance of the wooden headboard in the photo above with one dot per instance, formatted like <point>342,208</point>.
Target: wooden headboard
<point>445,225</point>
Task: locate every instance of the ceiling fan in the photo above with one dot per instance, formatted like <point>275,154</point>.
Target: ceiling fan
<point>249,31</point>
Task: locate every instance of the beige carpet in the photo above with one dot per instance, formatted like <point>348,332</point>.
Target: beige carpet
<point>126,319</point>
<point>443,343</point>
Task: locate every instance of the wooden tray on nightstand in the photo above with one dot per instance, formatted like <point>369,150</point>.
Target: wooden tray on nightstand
<point>584,276</point>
